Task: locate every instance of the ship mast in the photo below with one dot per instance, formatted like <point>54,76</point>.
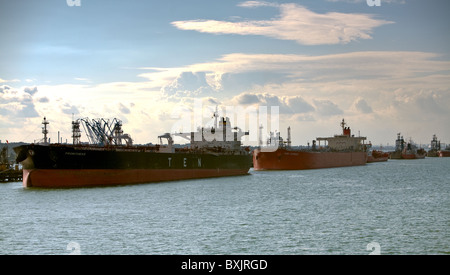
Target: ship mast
<point>343,125</point>
<point>289,137</point>
<point>216,115</point>
<point>44,130</point>
<point>76,132</point>
<point>260,136</point>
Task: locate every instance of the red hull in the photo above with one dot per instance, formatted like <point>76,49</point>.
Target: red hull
<point>282,159</point>
<point>412,156</point>
<point>378,159</point>
<point>57,178</point>
<point>378,156</point>
<point>408,156</point>
<point>444,154</point>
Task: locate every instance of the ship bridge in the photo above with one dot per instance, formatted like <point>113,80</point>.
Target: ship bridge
<point>220,135</point>
<point>345,141</point>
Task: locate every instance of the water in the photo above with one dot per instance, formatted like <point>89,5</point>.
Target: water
<point>399,206</point>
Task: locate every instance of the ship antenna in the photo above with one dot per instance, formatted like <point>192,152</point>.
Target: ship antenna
<point>343,124</point>
<point>216,115</point>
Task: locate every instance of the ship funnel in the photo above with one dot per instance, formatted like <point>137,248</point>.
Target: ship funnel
<point>345,130</point>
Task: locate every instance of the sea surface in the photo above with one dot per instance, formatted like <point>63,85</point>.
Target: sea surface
<point>394,207</point>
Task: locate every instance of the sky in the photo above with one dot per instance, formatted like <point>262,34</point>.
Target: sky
<point>156,65</point>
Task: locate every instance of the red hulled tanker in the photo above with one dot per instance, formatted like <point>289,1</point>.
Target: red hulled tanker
<point>406,150</point>
<point>338,151</point>
<point>444,153</point>
<point>377,156</point>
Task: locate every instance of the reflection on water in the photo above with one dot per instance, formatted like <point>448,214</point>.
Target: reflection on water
<point>402,205</point>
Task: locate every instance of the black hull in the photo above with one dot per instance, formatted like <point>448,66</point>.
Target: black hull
<point>55,165</point>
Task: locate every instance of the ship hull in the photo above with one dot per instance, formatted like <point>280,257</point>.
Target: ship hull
<point>64,178</point>
<point>395,155</point>
<point>70,166</point>
<point>282,159</point>
<point>371,159</point>
<point>377,156</point>
<point>401,155</point>
<point>444,154</point>
<point>412,156</point>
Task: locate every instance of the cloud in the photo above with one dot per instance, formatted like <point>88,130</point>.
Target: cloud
<point>421,104</point>
<point>362,106</point>
<point>299,105</point>
<point>244,80</point>
<point>286,104</point>
<point>69,109</point>
<point>123,109</point>
<point>30,91</point>
<point>295,23</point>
<point>16,104</point>
<point>247,99</point>
<point>193,84</point>
<point>83,79</point>
<point>317,87</point>
<point>397,86</point>
<point>365,1</point>
<point>8,81</point>
<point>388,68</point>
<point>428,102</point>
<point>211,100</point>
<point>255,4</point>
<point>43,100</point>
<point>4,88</point>
<point>327,108</point>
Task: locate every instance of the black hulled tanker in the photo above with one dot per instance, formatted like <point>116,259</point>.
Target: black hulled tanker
<point>213,152</point>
